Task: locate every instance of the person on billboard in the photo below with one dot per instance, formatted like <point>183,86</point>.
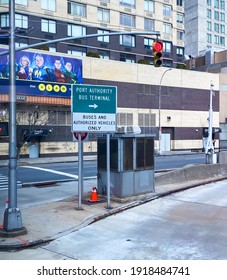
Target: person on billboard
<point>59,75</point>
<point>25,71</point>
<point>42,72</point>
<point>70,77</point>
<point>5,70</point>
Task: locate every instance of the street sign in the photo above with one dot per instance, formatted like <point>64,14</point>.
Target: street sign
<point>94,108</point>
<point>83,135</point>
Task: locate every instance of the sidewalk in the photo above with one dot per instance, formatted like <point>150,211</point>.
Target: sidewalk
<point>49,221</point>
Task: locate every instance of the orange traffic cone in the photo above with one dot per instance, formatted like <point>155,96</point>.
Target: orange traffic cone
<point>94,195</point>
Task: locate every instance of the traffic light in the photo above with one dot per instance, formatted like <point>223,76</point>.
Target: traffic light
<point>157,51</point>
<point>4,129</point>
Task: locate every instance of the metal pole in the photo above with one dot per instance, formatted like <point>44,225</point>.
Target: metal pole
<point>159,112</point>
<point>209,149</point>
<point>80,178</point>
<point>108,169</point>
<point>12,215</point>
<point>157,33</point>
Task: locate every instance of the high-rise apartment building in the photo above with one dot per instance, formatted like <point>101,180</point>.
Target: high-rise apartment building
<point>44,20</point>
<point>205,26</point>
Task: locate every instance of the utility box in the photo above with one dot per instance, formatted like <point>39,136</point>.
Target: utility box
<point>131,165</point>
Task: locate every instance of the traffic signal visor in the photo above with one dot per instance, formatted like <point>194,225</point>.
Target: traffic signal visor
<point>157,51</point>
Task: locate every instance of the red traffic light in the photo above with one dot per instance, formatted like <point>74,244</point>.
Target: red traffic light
<point>157,46</point>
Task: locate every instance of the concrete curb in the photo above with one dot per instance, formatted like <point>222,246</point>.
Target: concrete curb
<point>191,173</point>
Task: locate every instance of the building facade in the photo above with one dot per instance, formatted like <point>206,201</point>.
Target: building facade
<point>184,104</point>
<point>205,26</point>
<point>183,95</point>
<point>45,20</point>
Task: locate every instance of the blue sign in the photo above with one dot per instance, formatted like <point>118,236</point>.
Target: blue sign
<point>41,74</point>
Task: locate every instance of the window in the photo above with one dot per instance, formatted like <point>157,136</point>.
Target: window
<point>222,28</point>
<point>127,58</point>
<point>216,15</point>
<point>209,13</point>
<point>208,2</point>
<point>77,51</point>
<point>209,39</point>
<point>180,2</point>
<point>180,18</point>
<point>52,49</point>
<point>105,39</point>
<point>148,42</point>
<point>216,3</point>
<point>146,120</point>
<point>129,3</point>
<point>76,30</point>
<point>167,10</point>
<point>216,40</point>
<point>48,5</point>
<point>5,20</point>
<point>48,25</point>
<point>222,5</point>
<point>167,47</point>
<point>21,21</point>
<point>180,35</point>
<point>209,26</point>
<point>222,41</point>
<point>124,119</point>
<point>144,148</point>
<point>148,24</point>
<point>216,27</point>
<point>76,9</point>
<point>21,44</point>
<point>59,117</point>
<point>167,28</point>
<point>21,2</point>
<point>104,54</point>
<point>149,6</point>
<point>103,15</point>
<point>180,51</point>
<point>4,1</point>
<point>127,40</point>
<point>127,20</point>
<point>222,17</point>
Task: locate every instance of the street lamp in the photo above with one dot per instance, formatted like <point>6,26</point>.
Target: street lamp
<point>159,111</point>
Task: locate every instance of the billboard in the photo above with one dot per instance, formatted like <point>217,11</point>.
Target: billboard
<point>41,74</point>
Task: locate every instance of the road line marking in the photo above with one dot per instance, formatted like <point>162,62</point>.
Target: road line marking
<point>52,171</point>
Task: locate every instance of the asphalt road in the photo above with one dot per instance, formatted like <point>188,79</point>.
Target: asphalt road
<point>69,171</point>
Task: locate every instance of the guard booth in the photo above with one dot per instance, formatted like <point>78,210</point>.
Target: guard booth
<point>131,165</point>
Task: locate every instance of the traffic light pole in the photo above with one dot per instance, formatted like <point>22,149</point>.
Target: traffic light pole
<point>12,224</point>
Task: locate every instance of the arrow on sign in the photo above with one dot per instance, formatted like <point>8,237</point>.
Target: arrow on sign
<point>94,106</point>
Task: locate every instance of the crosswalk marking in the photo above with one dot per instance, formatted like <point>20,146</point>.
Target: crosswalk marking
<point>4,183</point>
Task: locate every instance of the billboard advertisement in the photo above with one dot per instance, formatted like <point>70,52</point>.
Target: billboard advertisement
<point>41,74</point>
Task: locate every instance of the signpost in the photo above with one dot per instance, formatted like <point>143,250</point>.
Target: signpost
<point>94,109</point>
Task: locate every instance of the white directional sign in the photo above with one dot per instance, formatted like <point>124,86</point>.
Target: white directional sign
<point>94,108</point>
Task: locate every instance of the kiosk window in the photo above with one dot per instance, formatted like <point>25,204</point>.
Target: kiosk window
<point>139,153</point>
<point>114,154</point>
<point>102,153</point>
<point>128,154</point>
<point>149,153</point>
<point>144,153</point>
